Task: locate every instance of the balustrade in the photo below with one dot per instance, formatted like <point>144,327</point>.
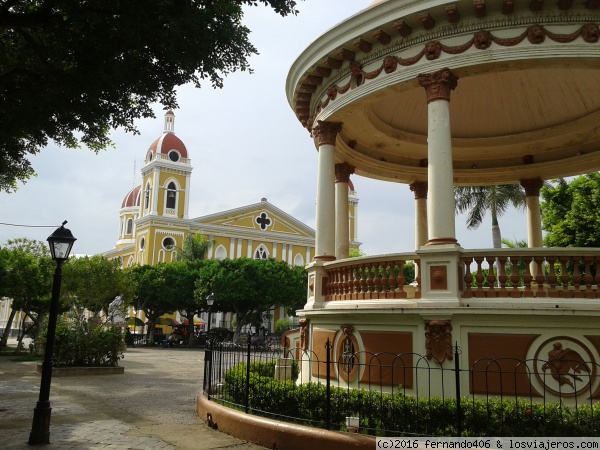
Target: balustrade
<point>370,279</point>
<point>531,273</point>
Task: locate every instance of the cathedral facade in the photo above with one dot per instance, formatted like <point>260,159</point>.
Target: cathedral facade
<point>154,219</point>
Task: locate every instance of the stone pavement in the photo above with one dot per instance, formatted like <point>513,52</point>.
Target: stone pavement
<point>151,406</point>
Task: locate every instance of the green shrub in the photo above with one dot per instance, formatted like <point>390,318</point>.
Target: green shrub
<point>282,325</point>
<point>87,346</point>
<point>389,414</point>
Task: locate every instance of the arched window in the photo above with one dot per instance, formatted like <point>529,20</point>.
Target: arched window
<point>298,260</point>
<point>261,252</point>
<point>171,195</point>
<point>220,253</point>
<point>147,197</point>
<point>129,226</point>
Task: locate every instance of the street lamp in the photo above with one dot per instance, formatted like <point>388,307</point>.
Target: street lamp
<point>210,299</point>
<point>60,243</point>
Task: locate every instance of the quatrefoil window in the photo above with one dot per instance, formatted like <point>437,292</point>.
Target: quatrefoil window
<point>263,221</point>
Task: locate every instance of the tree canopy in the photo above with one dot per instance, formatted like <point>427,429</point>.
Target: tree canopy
<point>94,283</point>
<point>26,274</point>
<point>570,214</point>
<point>195,246</point>
<point>70,71</point>
<point>251,286</point>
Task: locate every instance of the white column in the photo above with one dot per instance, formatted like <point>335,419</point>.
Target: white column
<point>155,187</point>
<point>249,255</point>
<point>274,255</point>
<point>534,216</point>
<point>284,252</point>
<point>326,133</point>
<point>211,250</point>
<point>239,248</point>
<point>420,190</point>
<point>186,192</point>
<point>231,248</point>
<point>439,154</point>
<point>342,221</point>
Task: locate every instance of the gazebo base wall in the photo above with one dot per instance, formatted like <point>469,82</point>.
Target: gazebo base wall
<point>518,350</point>
<point>275,434</point>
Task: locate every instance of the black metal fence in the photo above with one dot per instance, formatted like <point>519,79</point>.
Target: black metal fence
<point>407,394</point>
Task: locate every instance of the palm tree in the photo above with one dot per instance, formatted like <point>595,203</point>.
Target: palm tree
<point>478,200</point>
<point>521,243</point>
<point>194,247</point>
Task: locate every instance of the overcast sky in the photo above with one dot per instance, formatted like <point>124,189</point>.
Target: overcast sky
<point>245,143</point>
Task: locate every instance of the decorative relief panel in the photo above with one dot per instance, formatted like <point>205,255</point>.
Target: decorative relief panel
<point>438,340</point>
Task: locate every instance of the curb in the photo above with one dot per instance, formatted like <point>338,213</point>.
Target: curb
<point>83,371</point>
<point>274,434</point>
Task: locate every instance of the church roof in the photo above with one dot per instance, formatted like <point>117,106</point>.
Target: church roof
<point>168,141</point>
<point>132,198</point>
<point>257,218</point>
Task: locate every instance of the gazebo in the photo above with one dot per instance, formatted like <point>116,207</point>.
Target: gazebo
<point>435,94</point>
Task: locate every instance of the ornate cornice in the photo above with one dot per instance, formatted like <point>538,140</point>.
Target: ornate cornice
<point>431,50</point>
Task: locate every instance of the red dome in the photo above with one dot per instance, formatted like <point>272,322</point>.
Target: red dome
<point>132,198</point>
<point>167,142</point>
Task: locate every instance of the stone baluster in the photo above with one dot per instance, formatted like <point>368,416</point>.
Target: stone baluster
<point>502,277</point>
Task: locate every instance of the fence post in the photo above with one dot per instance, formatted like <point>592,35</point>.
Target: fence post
<point>207,366</point>
<point>457,379</point>
<point>247,393</point>
<point>328,383</point>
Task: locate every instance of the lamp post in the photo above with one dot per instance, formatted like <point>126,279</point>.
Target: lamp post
<point>210,299</point>
<point>60,243</point>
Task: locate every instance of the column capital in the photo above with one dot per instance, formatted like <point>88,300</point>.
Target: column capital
<point>326,132</point>
<point>343,172</point>
<point>420,189</point>
<point>438,84</point>
<point>532,186</point>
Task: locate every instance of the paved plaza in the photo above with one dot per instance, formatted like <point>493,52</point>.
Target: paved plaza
<point>150,406</point>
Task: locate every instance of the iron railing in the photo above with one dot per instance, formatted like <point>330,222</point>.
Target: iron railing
<point>407,394</point>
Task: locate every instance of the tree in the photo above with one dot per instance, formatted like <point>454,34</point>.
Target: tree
<point>251,286</point>
<point>194,247</point>
<point>570,212</point>
<point>93,283</point>
<point>478,200</point>
<point>522,243</point>
<point>356,252</point>
<point>150,292</point>
<point>26,274</point>
<point>178,290</point>
<point>73,70</point>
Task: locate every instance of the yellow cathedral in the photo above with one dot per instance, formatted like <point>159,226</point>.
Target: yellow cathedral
<point>154,219</point>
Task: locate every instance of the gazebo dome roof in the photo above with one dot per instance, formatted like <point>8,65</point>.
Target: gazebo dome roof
<point>523,107</point>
